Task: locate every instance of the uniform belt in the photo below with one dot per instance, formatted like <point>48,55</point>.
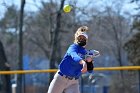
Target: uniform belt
<point>68,77</point>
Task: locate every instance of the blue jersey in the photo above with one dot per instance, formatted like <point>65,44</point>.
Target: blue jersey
<point>70,63</point>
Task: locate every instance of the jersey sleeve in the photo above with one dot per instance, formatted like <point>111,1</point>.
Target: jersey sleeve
<point>72,51</point>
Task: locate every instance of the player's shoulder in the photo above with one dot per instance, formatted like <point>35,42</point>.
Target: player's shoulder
<point>74,45</point>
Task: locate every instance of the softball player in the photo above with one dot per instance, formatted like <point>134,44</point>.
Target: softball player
<point>72,65</point>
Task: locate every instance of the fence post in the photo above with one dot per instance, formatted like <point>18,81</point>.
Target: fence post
<point>14,86</point>
<point>139,80</point>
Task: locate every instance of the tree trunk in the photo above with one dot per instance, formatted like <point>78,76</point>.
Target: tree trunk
<point>53,56</point>
<point>5,85</point>
<point>20,63</point>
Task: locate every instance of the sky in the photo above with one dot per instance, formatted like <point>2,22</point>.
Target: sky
<point>31,5</point>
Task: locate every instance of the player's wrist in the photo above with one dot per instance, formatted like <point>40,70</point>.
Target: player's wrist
<point>82,62</point>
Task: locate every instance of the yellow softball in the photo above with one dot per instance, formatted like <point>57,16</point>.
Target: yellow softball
<point>67,8</point>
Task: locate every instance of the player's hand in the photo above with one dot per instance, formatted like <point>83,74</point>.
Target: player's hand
<point>84,69</point>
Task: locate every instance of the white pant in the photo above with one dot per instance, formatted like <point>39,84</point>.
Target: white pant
<point>61,84</point>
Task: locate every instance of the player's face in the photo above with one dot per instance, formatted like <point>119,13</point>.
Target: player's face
<point>82,38</point>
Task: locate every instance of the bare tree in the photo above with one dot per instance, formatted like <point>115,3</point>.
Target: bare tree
<point>20,63</point>
<point>132,48</point>
<point>116,24</point>
<point>5,80</point>
<point>55,40</point>
<point>110,29</point>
